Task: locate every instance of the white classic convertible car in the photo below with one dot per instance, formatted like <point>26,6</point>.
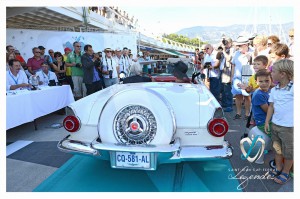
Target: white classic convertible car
<point>142,125</point>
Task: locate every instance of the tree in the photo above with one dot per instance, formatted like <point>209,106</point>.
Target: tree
<point>183,39</point>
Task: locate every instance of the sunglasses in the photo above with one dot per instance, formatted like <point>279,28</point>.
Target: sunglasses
<point>207,48</point>
<point>108,51</point>
<point>51,52</point>
<point>291,35</point>
<point>37,52</point>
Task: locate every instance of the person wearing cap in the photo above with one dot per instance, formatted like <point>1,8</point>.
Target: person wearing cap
<point>179,71</point>
<point>120,60</point>
<point>110,68</point>
<point>225,67</point>
<point>91,70</point>
<point>69,69</point>
<point>74,61</point>
<point>48,59</point>
<point>242,57</point>
<point>67,50</point>
<point>34,63</point>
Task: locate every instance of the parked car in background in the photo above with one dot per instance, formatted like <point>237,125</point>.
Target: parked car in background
<point>142,125</point>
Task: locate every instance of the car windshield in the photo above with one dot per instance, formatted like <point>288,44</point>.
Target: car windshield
<point>166,67</point>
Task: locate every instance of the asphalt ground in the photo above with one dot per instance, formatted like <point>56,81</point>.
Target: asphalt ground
<point>40,167</point>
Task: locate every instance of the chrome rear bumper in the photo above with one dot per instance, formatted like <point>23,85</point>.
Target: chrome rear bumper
<point>171,153</point>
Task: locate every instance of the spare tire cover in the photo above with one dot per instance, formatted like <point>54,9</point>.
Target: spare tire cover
<point>137,116</point>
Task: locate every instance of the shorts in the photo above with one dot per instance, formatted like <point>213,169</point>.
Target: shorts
<point>235,90</point>
<point>262,128</point>
<point>283,141</point>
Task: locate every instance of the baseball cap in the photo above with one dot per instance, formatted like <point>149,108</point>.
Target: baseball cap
<point>67,49</point>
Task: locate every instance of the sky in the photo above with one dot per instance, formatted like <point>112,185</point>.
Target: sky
<point>170,19</point>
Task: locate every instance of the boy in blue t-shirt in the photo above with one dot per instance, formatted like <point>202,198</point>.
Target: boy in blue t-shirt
<point>260,98</point>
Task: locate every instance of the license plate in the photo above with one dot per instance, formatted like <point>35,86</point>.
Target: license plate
<point>132,160</point>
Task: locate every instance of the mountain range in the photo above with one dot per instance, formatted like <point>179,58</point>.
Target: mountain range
<point>213,34</point>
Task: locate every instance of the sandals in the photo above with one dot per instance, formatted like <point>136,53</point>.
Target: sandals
<point>274,173</point>
<point>237,116</point>
<point>282,178</point>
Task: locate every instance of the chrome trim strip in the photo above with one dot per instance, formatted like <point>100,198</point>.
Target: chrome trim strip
<point>138,148</point>
<point>172,112</point>
<point>71,146</point>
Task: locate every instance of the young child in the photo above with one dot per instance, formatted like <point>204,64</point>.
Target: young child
<point>281,109</point>
<point>260,98</point>
<point>278,51</point>
<point>260,62</point>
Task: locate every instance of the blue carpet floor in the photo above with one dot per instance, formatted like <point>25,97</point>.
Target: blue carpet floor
<point>86,174</point>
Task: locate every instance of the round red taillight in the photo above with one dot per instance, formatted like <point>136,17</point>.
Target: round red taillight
<point>71,123</point>
<point>218,127</point>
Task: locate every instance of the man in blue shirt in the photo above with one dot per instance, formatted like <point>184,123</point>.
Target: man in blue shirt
<point>91,70</point>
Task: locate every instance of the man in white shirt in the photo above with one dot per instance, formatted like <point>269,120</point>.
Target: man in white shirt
<point>110,68</point>
<point>46,75</point>
<point>126,61</point>
<point>16,78</point>
<point>120,60</point>
<point>212,64</point>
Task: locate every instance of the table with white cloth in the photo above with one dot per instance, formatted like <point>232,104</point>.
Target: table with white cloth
<point>24,106</point>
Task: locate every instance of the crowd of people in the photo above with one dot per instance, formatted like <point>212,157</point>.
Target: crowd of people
<point>267,93</point>
<point>85,71</point>
<point>115,14</point>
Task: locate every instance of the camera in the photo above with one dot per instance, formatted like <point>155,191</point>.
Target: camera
<point>97,63</point>
<point>78,65</point>
<point>207,65</point>
<point>52,82</point>
<point>224,42</point>
<point>110,72</point>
